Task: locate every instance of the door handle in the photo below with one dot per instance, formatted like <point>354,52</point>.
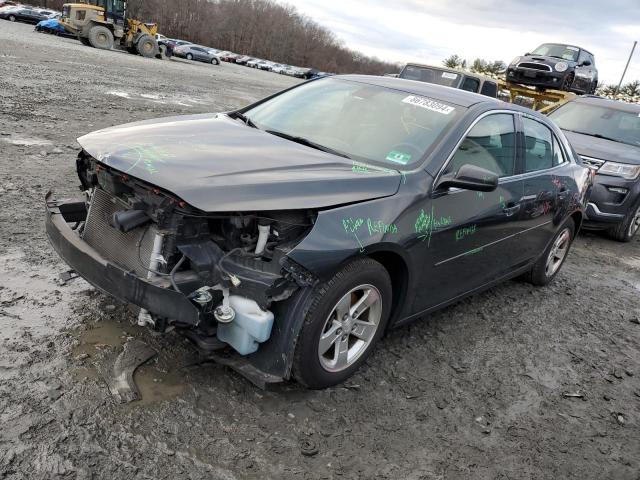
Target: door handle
<point>510,211</point>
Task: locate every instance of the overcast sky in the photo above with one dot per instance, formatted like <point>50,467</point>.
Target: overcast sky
<point>431,30</point>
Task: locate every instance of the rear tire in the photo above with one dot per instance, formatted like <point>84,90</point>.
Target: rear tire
<point>628,227</point>
<point>101,37</point>
<point>147,46</point>
<point>12,18</point>
<point>550,262</point>
<point>214,61</point>
<point>337,337</point>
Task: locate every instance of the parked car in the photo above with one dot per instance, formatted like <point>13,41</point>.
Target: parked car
<point>197,53</point>
<point>253,63</point>
<point>243,59</point>
<point>54,27</point>
<point>22,14</point>
<point>266,65</point>
<point>336,209</point>
<point>283,69</point>
<point>471,82</point>
<point>606,134</point>
<point>230,57</point>
<point>557,66</point>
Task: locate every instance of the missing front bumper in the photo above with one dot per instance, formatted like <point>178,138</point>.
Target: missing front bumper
<point>124,285</point>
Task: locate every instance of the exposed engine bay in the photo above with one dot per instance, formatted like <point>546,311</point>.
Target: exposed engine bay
<point>231,266</point>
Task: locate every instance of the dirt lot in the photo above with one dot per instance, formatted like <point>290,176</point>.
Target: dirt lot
<point>478,391</point>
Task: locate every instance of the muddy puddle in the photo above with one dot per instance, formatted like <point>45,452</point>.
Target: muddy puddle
<point>96,345</point>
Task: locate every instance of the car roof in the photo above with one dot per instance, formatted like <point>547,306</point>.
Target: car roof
<point>456,96</point>
<point>453,70</point>
<point>566,45</point>
<point>607,102</point>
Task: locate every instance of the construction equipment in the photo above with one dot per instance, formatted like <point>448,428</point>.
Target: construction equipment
<point>543,101</point>
<point>104,23</point>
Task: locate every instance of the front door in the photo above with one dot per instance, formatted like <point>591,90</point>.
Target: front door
<point>466,239</point>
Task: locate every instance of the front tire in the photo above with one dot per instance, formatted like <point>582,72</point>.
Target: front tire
<point>189,56</point>
<point>147,46</point>
<point>568,82</point>
<point>549,264</point>
<point>630,225</point>
<point>346,316</point>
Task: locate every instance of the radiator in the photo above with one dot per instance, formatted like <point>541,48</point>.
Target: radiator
<point>131,250</point>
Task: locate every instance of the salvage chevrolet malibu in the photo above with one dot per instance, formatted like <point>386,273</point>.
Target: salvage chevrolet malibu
<point>294,232</point>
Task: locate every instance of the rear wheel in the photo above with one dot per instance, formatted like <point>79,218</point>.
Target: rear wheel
<point>12,18</point>
<point>627,229</point>
<point>549,264</point>
<point>147,46</point>
<point>346,317</point>
<point>214,61</point>
<point>101,37</point>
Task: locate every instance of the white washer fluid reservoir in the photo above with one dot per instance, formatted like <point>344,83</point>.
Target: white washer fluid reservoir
<point>251,325</point>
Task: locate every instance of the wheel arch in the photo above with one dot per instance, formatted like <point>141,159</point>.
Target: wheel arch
<point>578,218</point>
<point>397,267</point>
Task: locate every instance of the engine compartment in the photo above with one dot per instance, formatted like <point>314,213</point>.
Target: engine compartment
<point>216,260</point>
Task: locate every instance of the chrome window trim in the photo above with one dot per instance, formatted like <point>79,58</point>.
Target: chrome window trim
<point>513,113</point>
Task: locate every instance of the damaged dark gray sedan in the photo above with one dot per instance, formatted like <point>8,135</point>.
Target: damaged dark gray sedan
<point>293,233</point>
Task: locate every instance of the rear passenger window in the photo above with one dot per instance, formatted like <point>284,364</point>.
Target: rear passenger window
<point>490,145</point>
<point>490,89</point>
<point>538,146</point>
<point>470,85</point>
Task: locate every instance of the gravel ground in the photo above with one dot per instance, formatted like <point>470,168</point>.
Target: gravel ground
<point>517,382</point>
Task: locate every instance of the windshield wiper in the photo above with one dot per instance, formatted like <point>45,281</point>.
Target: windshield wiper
<point>244,118</point>
<point>604,137</point>
<point>307,142</point>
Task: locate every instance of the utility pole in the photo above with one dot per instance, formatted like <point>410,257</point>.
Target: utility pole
<point>627,66</point>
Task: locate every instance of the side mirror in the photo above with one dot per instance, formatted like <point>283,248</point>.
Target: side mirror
<point>586,63</point>
<point>470,177</point>
<point>527,54</point>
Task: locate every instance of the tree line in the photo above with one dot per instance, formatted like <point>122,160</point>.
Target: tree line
<point>260,28</point>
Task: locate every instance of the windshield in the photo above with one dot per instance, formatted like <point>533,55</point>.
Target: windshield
<point>360,121</point>
<point>599,121</point>
<point>431,75</point>
<point>565,52</point>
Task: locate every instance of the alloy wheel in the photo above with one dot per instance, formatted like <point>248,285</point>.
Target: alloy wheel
<point>558,252</point>
<point>350,328</point>
<point>635,223</point>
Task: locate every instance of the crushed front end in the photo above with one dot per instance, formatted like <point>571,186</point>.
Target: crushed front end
<point>216,277</point>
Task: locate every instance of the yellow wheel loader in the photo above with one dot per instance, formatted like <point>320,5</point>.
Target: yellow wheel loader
<point>104,24</point>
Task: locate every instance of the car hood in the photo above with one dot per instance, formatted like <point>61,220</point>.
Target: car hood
<point>216,164</point>
<point>604,149</point>
<point>546,60</point>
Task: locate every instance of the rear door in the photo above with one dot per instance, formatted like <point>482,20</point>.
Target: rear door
<point>467,238</point>
<point>547,182</point>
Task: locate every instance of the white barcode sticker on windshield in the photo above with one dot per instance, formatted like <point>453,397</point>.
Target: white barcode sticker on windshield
<point>450,76</point>
<point>573,48</point>
<point>429,104</point>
